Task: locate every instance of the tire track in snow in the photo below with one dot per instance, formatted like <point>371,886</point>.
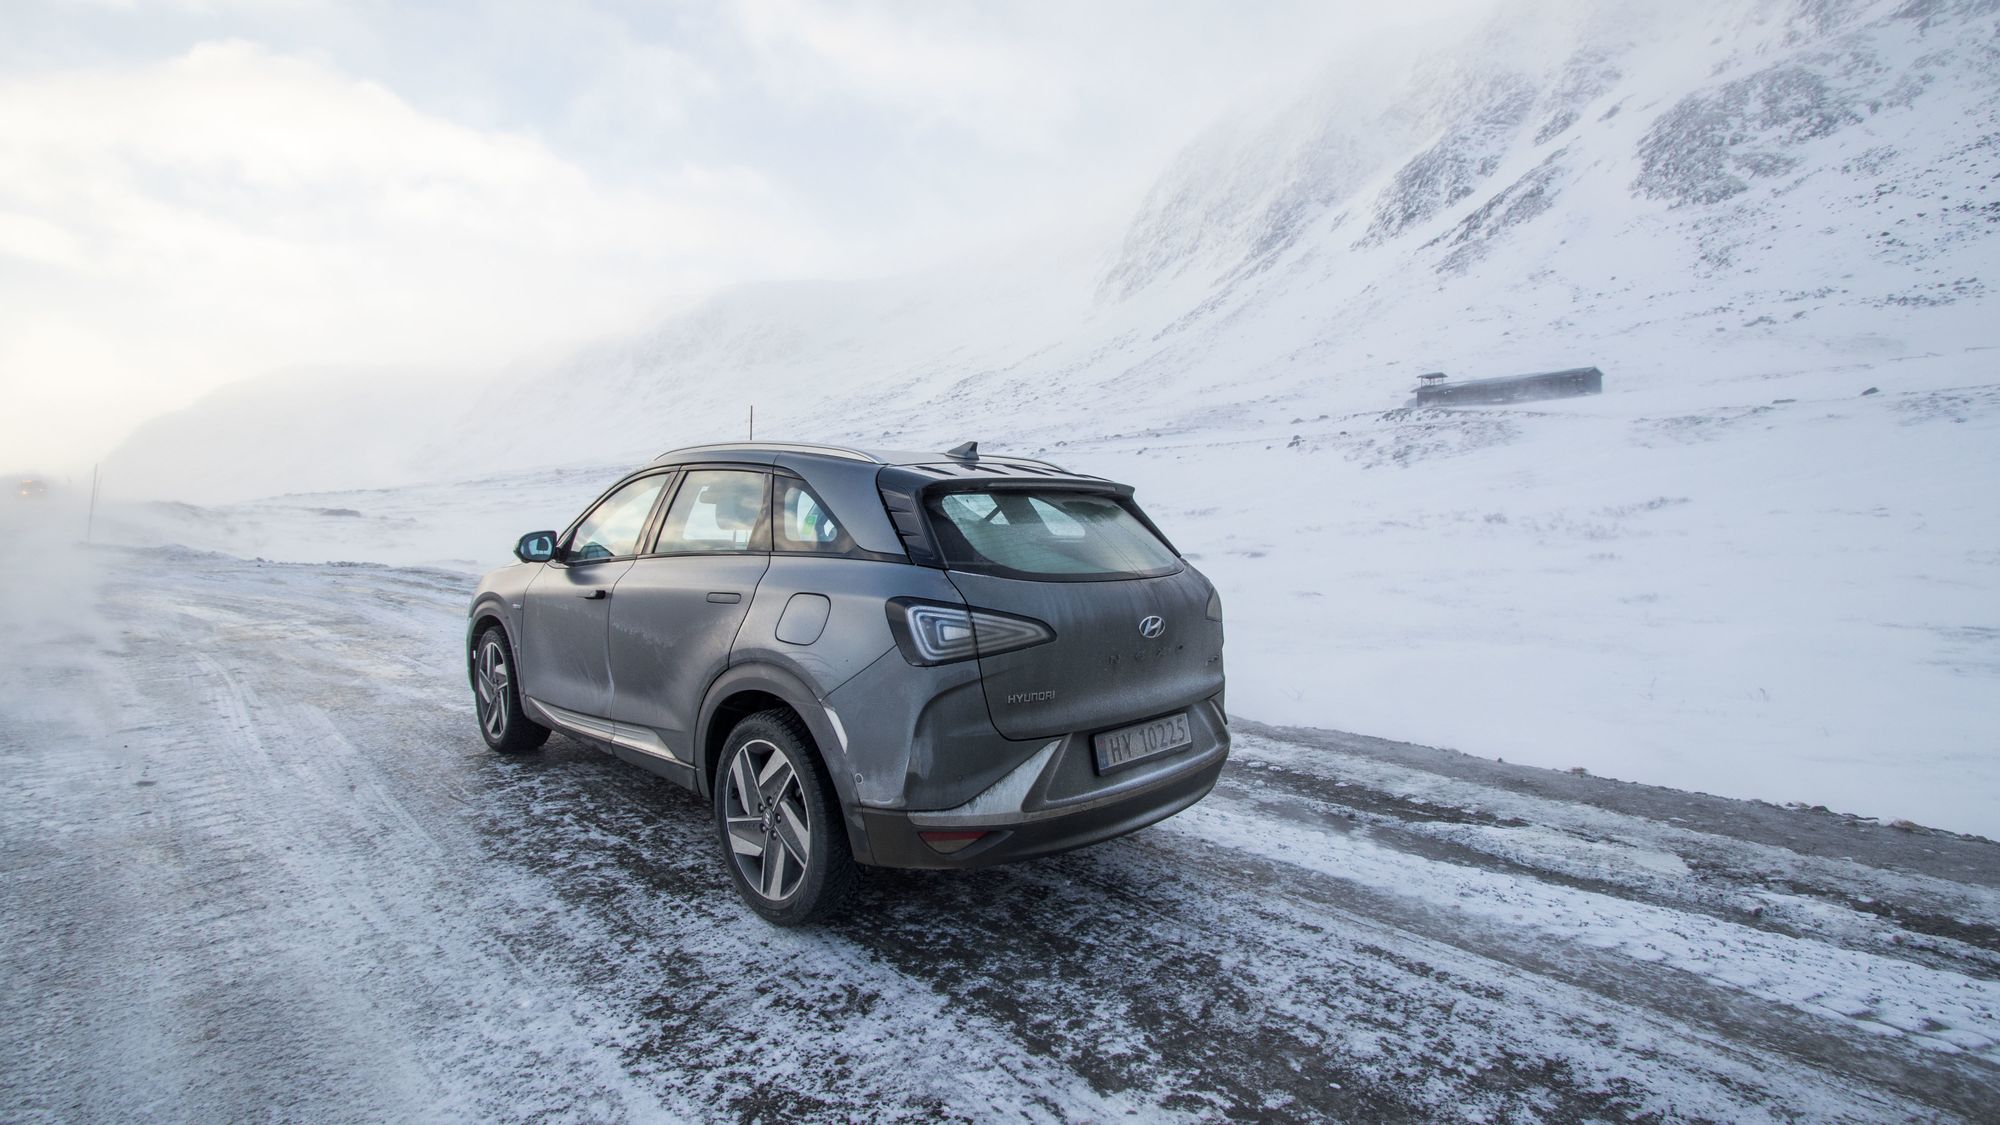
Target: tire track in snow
<point>422,928</point>
<point>260,958</point>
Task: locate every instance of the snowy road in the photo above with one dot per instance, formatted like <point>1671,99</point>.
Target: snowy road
<point>258,863</point>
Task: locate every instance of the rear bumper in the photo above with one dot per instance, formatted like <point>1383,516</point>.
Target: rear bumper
<point>890,837</point>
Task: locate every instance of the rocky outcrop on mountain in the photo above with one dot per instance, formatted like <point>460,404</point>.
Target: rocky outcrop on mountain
<point>1515,204</point>
<point>1570,183</point>
<point>1232,200</point>
<point>1589,74</point>
<point>1452,168</point>
<point>1712,143</point>
<point>1762,81</point>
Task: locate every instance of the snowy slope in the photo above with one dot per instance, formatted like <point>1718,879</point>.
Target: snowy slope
<point>1736,600</point>
<point>1732,572</point>
<point>1743,187</point>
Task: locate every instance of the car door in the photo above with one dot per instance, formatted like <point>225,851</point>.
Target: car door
<point>566,608</point>
<point>677,609</point>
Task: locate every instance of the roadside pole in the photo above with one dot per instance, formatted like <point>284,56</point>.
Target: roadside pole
<point>90,521</point>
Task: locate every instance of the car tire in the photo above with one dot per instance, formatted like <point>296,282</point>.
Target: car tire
<point>502,723</point>
<point>773,802</point>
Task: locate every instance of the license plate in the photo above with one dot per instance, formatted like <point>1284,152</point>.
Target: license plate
<point>1126,745</point>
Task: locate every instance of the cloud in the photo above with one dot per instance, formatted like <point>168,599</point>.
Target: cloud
<point>208,190</point>
<point>932,65</point>
<point>169,226</point>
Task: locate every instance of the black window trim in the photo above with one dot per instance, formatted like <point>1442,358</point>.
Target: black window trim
<point>856,551</point>
<point>760,536</point>
<point>647,530</point>
<point>853,551</point>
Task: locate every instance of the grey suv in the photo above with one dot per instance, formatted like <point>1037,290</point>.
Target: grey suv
<point>900,660</point>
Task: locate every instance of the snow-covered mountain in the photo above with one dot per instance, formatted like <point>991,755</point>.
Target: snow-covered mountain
<point>1644,186</point>
<point>1761,563</point>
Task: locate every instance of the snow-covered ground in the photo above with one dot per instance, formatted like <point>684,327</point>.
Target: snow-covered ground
<point>1794,601</point>
<point>1698,586</point>
<point>260,864</point>
<point>1735,572</point>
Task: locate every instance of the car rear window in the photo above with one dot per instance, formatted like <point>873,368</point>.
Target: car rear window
<point>1048,533</point>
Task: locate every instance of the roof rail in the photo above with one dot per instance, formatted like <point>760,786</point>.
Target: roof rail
<point>781,447</point>
<point>969,452</point>
<point>1008,458</point>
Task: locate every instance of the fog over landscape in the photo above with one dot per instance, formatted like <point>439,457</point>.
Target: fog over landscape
<point>1746,215</point>
<point>208,192</point>
<point>340,304</point>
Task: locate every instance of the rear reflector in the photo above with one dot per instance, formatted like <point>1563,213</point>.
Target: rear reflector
<point>949,842</point>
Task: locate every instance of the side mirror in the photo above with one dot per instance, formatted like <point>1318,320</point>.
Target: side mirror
<point>536,546</point>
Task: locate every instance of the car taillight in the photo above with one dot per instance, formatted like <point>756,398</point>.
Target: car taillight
<point>939,633</point>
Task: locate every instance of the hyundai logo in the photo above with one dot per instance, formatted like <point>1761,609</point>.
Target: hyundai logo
<point>1150,627</point>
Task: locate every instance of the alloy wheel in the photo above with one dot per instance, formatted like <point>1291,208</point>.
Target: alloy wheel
<point>489,677</point>
<point>770,825</point>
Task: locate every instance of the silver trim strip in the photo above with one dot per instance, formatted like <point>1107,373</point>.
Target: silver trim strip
<point>621,734</point>
<point>778,447</point>
<point>852,454</point>
<point>965,815</point>
<point>1001,799</point>
<point>1008,458</point>
<point>573,720</point>
<point>645,742</point>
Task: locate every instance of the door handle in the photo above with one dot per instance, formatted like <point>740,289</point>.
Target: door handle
<point>596,595</point>
<point>724,597</point>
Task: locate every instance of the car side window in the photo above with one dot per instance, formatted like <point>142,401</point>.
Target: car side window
<point>804,523</point>
<point>715,510</point>
<point>613,527</point>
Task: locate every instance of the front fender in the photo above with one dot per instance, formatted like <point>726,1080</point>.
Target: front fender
<point>484,608</point>
<point>499,596</point>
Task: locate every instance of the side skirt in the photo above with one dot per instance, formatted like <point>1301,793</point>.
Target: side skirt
<point>636,745</point>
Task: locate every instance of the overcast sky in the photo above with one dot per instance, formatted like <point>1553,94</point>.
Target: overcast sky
<point>193,193</point>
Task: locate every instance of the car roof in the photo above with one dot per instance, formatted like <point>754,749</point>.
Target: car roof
<point>793,455</point>
<point>857,483</point>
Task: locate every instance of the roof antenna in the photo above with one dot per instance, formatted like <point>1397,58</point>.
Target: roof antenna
<point>967,452</point>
